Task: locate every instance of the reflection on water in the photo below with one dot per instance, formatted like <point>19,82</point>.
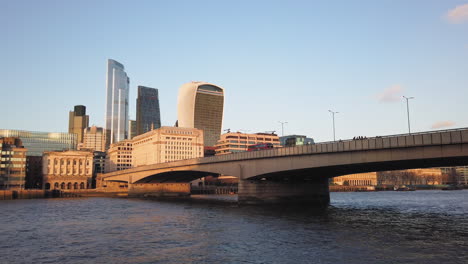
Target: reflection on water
<point>379,227</point>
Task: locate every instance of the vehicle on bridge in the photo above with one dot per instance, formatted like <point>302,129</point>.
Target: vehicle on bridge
<point>260,146</point>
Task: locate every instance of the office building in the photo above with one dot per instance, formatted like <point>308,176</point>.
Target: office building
<point>200,105</point>
<point>117,90</point>
<point>38,142</point>
<point>119,156</point>
<point>147,110</point>
<point>67,170</point>
<point>94,139</point>
<point>167,144</point>
<point>12,163</point>
<point>132,129</point>
<point>78,121</point>
<point>233,142</point>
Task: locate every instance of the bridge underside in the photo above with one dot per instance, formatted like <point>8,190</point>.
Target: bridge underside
<point>176,177</point>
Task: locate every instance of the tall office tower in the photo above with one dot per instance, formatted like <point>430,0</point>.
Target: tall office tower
<point>94,139</point>
<point>132,129</point>
<point>117,85</point>
<point>147,112</point>
<point>200,105</point>
<point>78,121</point>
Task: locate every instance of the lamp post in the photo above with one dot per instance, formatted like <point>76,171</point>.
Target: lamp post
<point>407,111</point>
<point>282,127</point>
<point>333,117</point>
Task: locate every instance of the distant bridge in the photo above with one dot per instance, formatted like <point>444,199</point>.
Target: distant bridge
<point>301,173</point>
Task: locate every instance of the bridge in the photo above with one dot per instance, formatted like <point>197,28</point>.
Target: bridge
<point>300,174</point>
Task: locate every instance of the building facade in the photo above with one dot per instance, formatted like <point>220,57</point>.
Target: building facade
<point>147,110</point>
<point>119,156</point>
<point>38,142</point>
<point>78,121</point>
<point>167,144</point>
<point>233,142</point>
<point>117,92</point>
<point>358,179</point>
<point>12,163</point>
<point>200,105</point>
<point>132,129</point>
<point>67,170</point>
<point>94,138</point>
<point>295,140</point>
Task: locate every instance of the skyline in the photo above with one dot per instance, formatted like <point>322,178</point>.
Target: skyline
<point>290,62</point>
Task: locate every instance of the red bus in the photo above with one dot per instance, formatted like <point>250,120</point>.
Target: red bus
<point>260,146</point>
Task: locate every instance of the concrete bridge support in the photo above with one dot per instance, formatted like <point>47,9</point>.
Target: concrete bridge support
<point>311,192</point>
<point>159,190</point>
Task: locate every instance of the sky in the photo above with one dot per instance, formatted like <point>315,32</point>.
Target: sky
<point>288,61</point>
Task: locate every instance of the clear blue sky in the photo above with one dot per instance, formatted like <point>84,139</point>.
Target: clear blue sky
<point>277,60</point>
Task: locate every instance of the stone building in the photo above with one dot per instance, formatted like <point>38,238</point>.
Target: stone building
<point>358,179</point>
<point>94,138</point>
<point>233,142</point>
<point>12,163</point>
<point>167,144</point>
<point>119,156</point>
<point>67,170</point>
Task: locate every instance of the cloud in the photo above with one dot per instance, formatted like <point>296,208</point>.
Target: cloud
<point>443,124</point>
<point>458,15</point>
<point>391,94</point>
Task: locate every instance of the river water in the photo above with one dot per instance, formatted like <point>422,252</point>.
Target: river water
<point>374,227</point>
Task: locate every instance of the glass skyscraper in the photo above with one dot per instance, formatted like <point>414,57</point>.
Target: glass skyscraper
<point>147,111</point>
<point>200,105</point>
<point>117,86</point>
<point>38,142</point>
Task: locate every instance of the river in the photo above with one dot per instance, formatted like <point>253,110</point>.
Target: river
<point>362,227</point>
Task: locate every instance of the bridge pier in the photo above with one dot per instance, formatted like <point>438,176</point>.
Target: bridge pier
<point>159,190</point>
<point>310,192</point>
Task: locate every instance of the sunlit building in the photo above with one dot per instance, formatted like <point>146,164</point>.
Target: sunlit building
<point>117,90</point>
<point>233,142</point>
<point>358,179</point>
<point>78,121</point>
<point>148,116</point>
<point>12,163</point>
<point>119,156</point>
<point>94,139</point>
<point>200,105</point>
<point>167,144</point>
<point>67,170</point>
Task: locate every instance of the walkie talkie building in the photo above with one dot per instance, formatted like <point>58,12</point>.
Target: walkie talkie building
<point>200,105</point>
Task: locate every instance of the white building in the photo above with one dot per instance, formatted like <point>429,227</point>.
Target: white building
<point>167,144</point>
<point>117,89</point>
<point>200,105</point>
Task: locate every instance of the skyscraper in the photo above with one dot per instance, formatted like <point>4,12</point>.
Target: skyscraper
<point>94,138</point>
<point>147,112</point>
<point>117,85</point>
<point>132,127</point>
<point>200,105</point>
<point>78,121</point>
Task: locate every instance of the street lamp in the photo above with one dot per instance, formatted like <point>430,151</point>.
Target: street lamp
<point>333,116</point>
<point>282,127</point>
<point>407,111</point>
